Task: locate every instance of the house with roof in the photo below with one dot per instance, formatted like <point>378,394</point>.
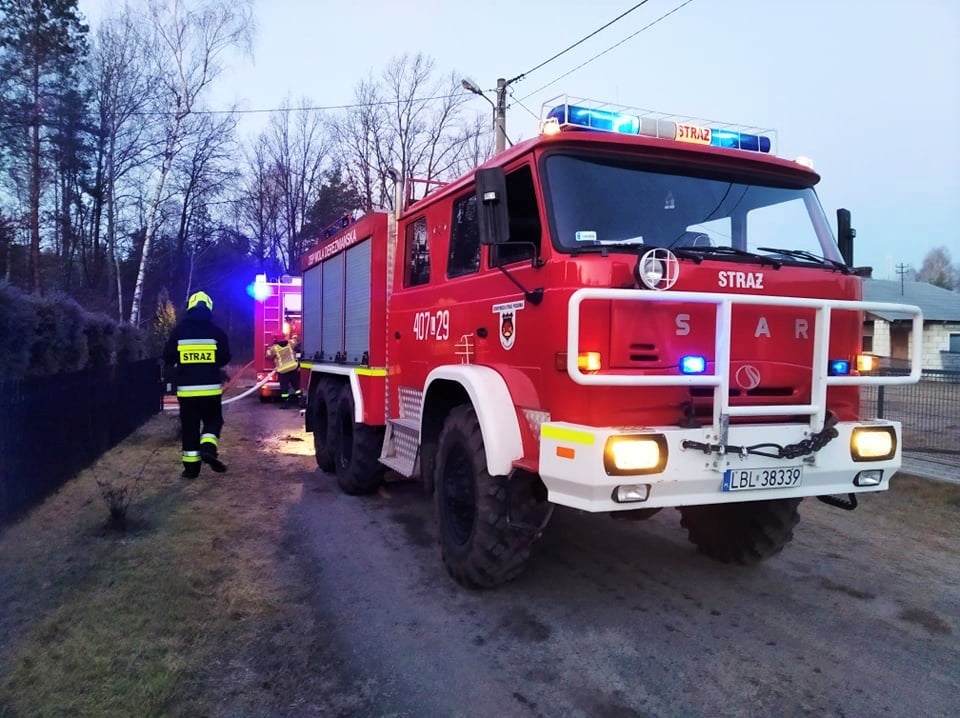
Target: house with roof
<point>887,334</point>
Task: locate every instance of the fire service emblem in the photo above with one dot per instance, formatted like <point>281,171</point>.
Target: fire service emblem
<point>508,322</point>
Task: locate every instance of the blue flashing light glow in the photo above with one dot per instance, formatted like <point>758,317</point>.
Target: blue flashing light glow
<point>739,140</point>
<point>693,364</point>
<point>259,291</point>
<point>596,119</point>
<point>839,367</point>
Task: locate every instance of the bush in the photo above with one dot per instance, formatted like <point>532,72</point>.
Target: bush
<point>130,343</point>
<point>59,341</point>
<point>101,333</point>
<point>53,334</point>
<point>18,317</point>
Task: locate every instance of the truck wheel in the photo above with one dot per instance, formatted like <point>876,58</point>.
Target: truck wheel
<point>324,439</point>
<point>478,548</point>
<point>358,447</point>
<point>744,533</point>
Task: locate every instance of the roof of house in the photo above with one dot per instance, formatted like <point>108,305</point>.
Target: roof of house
<point>936,303</point>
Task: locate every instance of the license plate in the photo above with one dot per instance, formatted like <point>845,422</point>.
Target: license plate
<point>780,477</point>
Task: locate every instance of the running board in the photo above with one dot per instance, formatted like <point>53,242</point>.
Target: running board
<point>400,446</point>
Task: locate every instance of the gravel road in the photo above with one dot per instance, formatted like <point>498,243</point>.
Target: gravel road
<point>859,616</point>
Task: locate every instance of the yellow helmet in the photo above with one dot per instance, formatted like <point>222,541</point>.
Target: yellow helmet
<point>199,298</point>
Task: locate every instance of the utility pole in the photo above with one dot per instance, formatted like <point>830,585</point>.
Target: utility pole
<point>500,118</point>
<point>902,269</point>
<point>499,107</point>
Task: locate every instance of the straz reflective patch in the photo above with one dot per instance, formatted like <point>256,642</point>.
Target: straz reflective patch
<point>198,354</point>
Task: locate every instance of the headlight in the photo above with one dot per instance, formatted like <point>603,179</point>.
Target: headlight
<point>638,454</point>
<point>873,443</point>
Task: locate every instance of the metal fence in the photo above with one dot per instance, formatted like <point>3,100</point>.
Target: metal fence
<point>52,427</point>
<point>929,411</point>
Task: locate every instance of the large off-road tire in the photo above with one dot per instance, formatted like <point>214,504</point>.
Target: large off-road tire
<point>357,455</point>
<point>324,403</point>
<point>478,547</point>
<point>744,533</point>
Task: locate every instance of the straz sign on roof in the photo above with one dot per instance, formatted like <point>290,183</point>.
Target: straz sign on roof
<point>693,133</point>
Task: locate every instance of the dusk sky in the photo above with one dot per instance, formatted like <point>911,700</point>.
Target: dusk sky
<point>869,89</point>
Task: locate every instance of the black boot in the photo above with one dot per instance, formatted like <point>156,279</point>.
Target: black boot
<point>209,457</point>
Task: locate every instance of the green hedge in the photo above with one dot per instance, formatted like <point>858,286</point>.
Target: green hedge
<point>53,334</point>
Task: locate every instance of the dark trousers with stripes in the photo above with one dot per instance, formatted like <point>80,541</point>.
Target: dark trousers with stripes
<point>201,419</point>
<point>289,385</point>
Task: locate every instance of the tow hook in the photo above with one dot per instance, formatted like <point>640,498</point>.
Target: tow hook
<point>847,504</point>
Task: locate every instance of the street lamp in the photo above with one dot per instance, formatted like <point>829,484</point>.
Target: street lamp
<point>499,109</point>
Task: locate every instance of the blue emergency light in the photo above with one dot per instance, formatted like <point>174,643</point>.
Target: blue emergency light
<point>693,364</point>
<point>596,119</point>
<point>574,116</point>
<point>839,367</point>
<point>259,289</point>
<point>739,140</point>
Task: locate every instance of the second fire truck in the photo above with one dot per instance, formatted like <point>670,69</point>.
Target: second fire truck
<point>622,314</point>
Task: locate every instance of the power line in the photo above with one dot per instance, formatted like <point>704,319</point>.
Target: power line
<point>578,42</point>
<point>314,108</point>
<point>612,47</point>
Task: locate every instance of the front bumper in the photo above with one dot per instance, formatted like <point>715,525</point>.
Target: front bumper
<point>572,465</point>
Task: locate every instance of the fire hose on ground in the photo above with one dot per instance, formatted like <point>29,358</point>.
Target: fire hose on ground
<point>249,391</point>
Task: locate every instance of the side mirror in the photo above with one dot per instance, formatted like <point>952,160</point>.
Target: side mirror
<point>492,206</point>
<point>845,235</point>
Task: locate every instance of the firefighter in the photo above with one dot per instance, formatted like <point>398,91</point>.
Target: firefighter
<point>283,353</point>
<point>200,350</point>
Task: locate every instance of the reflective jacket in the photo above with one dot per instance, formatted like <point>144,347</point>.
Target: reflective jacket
<point>284,359</point>
<point>199,349</point>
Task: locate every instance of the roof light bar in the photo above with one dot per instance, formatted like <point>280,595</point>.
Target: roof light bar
<point>579,117</point>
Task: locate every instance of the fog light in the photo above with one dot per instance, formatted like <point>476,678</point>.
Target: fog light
<point>628,494</point>
<point>873,443</point>
<point>870,477</point>
<point>642,454</point>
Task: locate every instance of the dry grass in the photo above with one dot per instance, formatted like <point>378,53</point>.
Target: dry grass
<point>100,622</point>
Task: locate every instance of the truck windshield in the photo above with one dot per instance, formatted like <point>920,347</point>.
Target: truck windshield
<point>615,204</point>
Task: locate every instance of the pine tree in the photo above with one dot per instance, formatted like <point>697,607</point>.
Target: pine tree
<point>42,44</point>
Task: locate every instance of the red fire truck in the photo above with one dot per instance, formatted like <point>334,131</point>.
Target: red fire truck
<point>276,312</point>
<point>622,314</point>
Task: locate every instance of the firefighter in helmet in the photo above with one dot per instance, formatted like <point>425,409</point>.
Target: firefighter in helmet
<point>199,350</point>
<point>283,353</point>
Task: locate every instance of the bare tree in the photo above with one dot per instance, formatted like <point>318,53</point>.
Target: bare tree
<point>259,208</point>
<point>356,134</point>
<point>188,47</point>
<point>298,144</point>
<point>409,121</point>
<point>938,269</point>
<point>122,90</point>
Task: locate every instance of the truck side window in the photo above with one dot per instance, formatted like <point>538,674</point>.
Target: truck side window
<point>524,220</point>
<point>464,238</point>
<point>417,255</point>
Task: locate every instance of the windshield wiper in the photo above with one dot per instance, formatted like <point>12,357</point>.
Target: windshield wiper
<point>697,254</point>
<point>810,256</point>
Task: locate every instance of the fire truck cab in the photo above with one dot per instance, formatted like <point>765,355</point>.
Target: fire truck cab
<point>623,314</point>
<point>277,311</point>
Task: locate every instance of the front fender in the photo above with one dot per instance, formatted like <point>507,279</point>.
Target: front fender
<point>496,412</point>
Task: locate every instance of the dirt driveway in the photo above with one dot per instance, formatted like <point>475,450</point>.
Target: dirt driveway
<point>269,592</point>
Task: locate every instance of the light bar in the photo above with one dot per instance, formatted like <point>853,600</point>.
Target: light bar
<point>575,116</point>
